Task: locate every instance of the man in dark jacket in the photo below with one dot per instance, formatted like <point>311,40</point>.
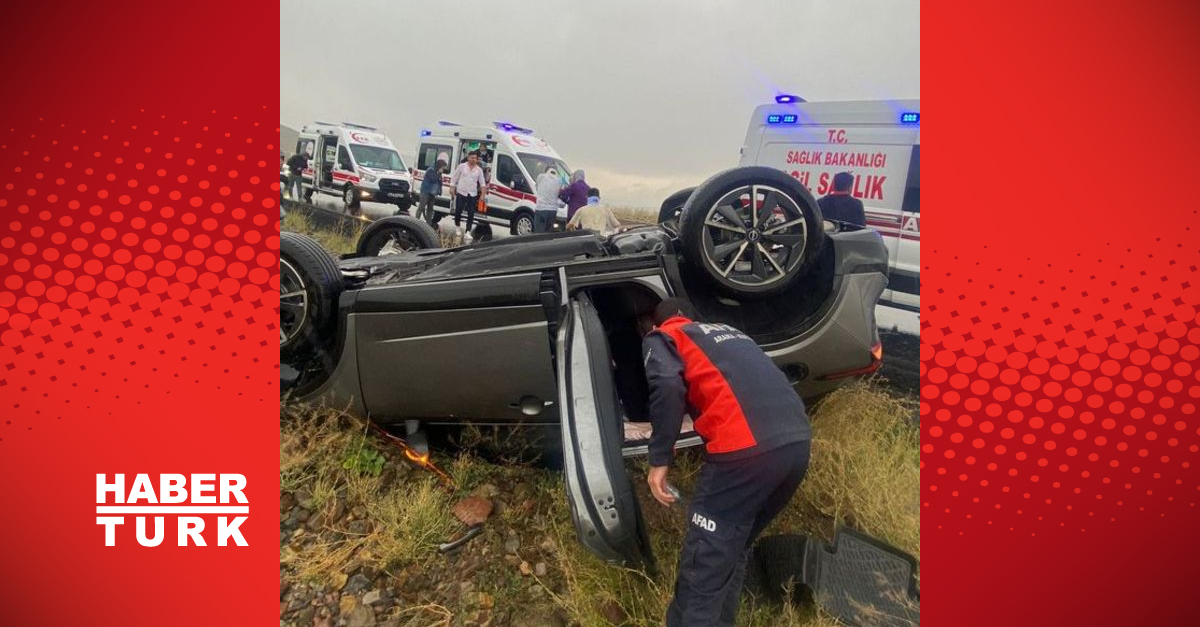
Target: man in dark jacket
<point>757,438</point>
<point>431,187</point>
<point>840,205</point>
<point>296,167</point>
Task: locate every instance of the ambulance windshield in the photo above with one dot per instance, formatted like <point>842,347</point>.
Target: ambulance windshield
<point>376,157</point>
<point>536,164</point>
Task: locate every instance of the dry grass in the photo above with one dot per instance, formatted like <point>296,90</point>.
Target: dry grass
<point>635,215</point>
<point>335,241</point>
<point>396,528</point>
<point>864,472</point>
<point>866,469</point>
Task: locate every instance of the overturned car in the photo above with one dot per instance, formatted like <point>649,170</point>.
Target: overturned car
<point>546,329</point>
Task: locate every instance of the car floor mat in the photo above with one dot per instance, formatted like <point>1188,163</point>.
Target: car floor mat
<point>860,580</point>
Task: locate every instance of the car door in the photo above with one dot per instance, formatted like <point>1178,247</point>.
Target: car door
<point>475,349</point>
<point>608,519</point>
<point>507,187</point>
<point>343,169</point>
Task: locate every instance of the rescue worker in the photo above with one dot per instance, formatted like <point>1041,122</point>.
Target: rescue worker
<point>840,205</point>
<point>757,439</point>
<point>548,186</point>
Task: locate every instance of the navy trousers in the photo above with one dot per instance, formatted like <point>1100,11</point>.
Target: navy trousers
<point>733,502</point>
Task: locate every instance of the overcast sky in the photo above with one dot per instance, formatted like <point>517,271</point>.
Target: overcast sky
<point>647,96</point>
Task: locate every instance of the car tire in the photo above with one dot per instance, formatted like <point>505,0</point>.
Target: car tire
<point>309,286</point>
<point>522,223</point>
<point>350,202</point>
<point>672,207</point>
<point>751,254</point>
<point>396,234</point>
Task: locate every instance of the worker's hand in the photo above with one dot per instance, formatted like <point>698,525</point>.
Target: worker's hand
<point>657,478</point>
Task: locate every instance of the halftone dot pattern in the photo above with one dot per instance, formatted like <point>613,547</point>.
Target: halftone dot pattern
<point>126,273</point>
<point>1033,410</point>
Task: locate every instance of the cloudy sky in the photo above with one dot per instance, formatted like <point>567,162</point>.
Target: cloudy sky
<point>647,96</point>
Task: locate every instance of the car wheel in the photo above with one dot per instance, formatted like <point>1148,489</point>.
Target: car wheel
<point>309,286</point>
<point>396,234</point>
<point>672,207</point>
<point>350,202</point>
<point>522,223</point>
<point>751,231</point>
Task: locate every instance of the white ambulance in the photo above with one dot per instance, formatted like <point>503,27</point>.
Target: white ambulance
<point>355,163</point>
<point>879,142</point>
<point>512,158</point>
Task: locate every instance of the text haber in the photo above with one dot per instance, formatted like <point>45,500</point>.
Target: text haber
<point>210,494</point>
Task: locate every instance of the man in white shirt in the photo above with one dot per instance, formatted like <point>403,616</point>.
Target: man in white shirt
<point>594,216</point>
<point>548,187</point>
<point>467,185</point>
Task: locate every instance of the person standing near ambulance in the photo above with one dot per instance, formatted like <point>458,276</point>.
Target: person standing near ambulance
<point>431,187</point>
<point>840,205</point>
<point>757,440</point>
<point>467,186</point>
<point>575,194</point>
<point>548,187</point>
<point>296,167</point>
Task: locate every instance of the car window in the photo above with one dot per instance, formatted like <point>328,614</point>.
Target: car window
<point>536,164</point>
<point>343,159</point>
<point>305,147</point>
<point>430,153</point>
<point>912,192</point>
<point>508,174</point>
<point>377,157</point>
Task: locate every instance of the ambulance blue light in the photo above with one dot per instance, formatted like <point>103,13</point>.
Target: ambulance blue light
<point>774,118</point>
<point>425,132</point>
<point>910,117</point>
<point>788,99</point>
<point>789,118</point>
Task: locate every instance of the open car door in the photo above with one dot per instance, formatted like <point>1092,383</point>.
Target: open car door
<point>604,507</point>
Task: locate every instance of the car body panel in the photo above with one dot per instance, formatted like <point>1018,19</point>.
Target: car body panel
<point>420,325</point>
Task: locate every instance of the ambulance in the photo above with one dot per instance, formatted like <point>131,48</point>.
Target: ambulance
<point>512,158</point>
<point>355,163</point>
<point>879,142</point>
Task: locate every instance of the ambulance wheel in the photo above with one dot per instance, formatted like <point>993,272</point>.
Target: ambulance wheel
<point>309,286</point>
<point>751,249</point>
<point>350,202</point>
<point>522,223</point>
<point>668,213</point>
<point>396,234</point>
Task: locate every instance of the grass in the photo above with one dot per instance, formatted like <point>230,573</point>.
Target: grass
<point>864,472</point>
<point>336,241</point>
